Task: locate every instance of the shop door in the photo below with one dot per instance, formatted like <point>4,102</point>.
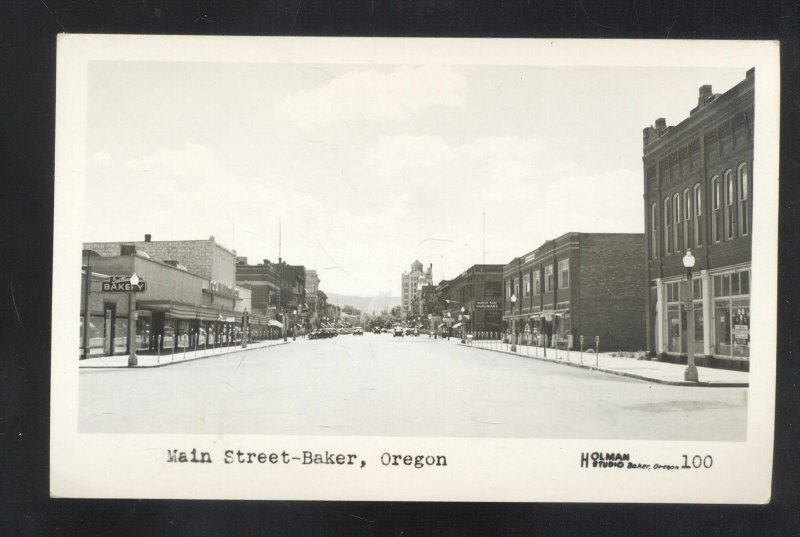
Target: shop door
<point>157,332</point>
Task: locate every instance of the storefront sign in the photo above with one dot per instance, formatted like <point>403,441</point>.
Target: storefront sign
<point>222,289</point>
<point>487,305</point>
<point>740,332</point>
<point>530,257</point>
<point>122,284</point>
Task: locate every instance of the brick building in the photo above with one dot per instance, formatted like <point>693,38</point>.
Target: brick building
<point>698,187</point>
<point>479,290</point>
<point>263,281</point>
<point>586,284</point>
<point>205,258</point>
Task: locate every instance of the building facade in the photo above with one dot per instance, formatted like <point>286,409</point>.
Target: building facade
<point>479,291</point>
<point>312,287</point>
<point>698,187</point>
<point>175,311</point>
<point>411,289</point>
<point>205,258</point>
<point>586,284</point>
<point>264,283</point>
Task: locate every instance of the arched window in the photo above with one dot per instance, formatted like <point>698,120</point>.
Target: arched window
<point>716,221</point>
<point>654,231</point>
<point>698,212</point>
<point>744,221</point>
<point>676,213</point>
<point>687,219</point>
<point>667,226</point>
<point>729,208</point>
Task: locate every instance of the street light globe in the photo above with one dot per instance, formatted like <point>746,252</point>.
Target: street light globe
<point>463,309</point>
<point>134,279</point>
<point>513,298</point>
<point>688,259</point>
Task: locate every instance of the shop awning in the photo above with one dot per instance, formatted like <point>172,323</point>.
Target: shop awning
<point>441,325</point>
<point>456,325</point>
<point>273,322</point>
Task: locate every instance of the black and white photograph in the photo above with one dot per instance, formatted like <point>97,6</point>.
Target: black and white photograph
<point>416,263</point>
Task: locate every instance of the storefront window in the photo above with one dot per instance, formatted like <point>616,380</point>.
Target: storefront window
<point>143,332</point>
<point>168,339</point>
<point>732,314</point>
<point>120,335</point>
<point>96,334</point>
<point>183,333</point>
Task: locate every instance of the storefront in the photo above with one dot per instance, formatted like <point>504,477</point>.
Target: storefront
<point>721,300</point>
<point>175,311</point>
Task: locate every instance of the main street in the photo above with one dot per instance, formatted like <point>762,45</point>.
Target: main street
<point>413,386</point>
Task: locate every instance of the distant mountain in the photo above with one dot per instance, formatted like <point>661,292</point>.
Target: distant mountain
<point>365,303</point>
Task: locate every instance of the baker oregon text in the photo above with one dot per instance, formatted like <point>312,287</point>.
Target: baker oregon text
<point>236,456</point>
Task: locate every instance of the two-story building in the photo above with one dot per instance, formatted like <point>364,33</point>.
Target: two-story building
<point>586,284</point>
<point>474,299</point>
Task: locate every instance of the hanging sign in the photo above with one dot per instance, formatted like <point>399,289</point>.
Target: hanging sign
<point>122,284</point>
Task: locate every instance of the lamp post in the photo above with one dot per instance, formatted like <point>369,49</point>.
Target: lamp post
<point>691,370</point>
<point>513,325</point>
<point>132,359</point>
<point>294,329</point>
<point>463,320</point>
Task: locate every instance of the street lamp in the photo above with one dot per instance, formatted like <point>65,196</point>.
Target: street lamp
<point>513,325</point>
<point>463,320</point>
<point>691,370</point>
<point>132,359</point>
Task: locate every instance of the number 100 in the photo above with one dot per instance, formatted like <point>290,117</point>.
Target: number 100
<point>698,461</point>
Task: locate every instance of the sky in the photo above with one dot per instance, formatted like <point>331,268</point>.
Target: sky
<point>366,168</point>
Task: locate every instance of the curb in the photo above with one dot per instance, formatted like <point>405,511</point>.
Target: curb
<point>165,364</point>
<point>622,373</point>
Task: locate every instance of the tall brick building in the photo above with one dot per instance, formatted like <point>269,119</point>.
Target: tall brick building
<point>586,284</point>
<point>698,188</point>
<point>479,291</point>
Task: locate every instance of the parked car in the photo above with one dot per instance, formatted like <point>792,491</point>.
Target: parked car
<point>376,330</point>
<point>358,331</point>
<point>398,331</point>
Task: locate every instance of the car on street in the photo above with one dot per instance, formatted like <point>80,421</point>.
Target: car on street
<point>358,331</point>
<point>376,330</point>
<point>398,331</point>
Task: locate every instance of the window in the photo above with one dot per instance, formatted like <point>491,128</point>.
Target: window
<point>548,278</point>
<point>732,314</point>
<point>744,222</point>
<point>516,287</point>
<point>563,274</point>
<point>537,284</point>
<point>526,285</point>
<point>676,213</point>
<point>728,205</point>
<point>698,212</point>
<point>715,221</point>
<point>687,219</point>
<point>654,231</point>
<point>667,227</point>
<point>508,288</point>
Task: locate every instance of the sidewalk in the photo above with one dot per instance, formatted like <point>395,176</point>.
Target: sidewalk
<point>150,360</point>
<point>652,371</point>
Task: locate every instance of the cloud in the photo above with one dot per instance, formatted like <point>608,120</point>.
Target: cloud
<point>192,159</point>
<point>507,159</point>
<point>398,153</point>
<point>101,158</point>
<point>374,95</point>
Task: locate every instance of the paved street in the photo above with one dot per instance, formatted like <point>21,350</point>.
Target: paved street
<point>412,386</point>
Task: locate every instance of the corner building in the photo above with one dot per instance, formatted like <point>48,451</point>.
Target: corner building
<point>479,291</point>
<point>698,190</point>
<point>586,284</point>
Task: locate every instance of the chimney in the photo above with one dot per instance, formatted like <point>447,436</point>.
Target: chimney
<point>147,237</point>
<point>661,124</point>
